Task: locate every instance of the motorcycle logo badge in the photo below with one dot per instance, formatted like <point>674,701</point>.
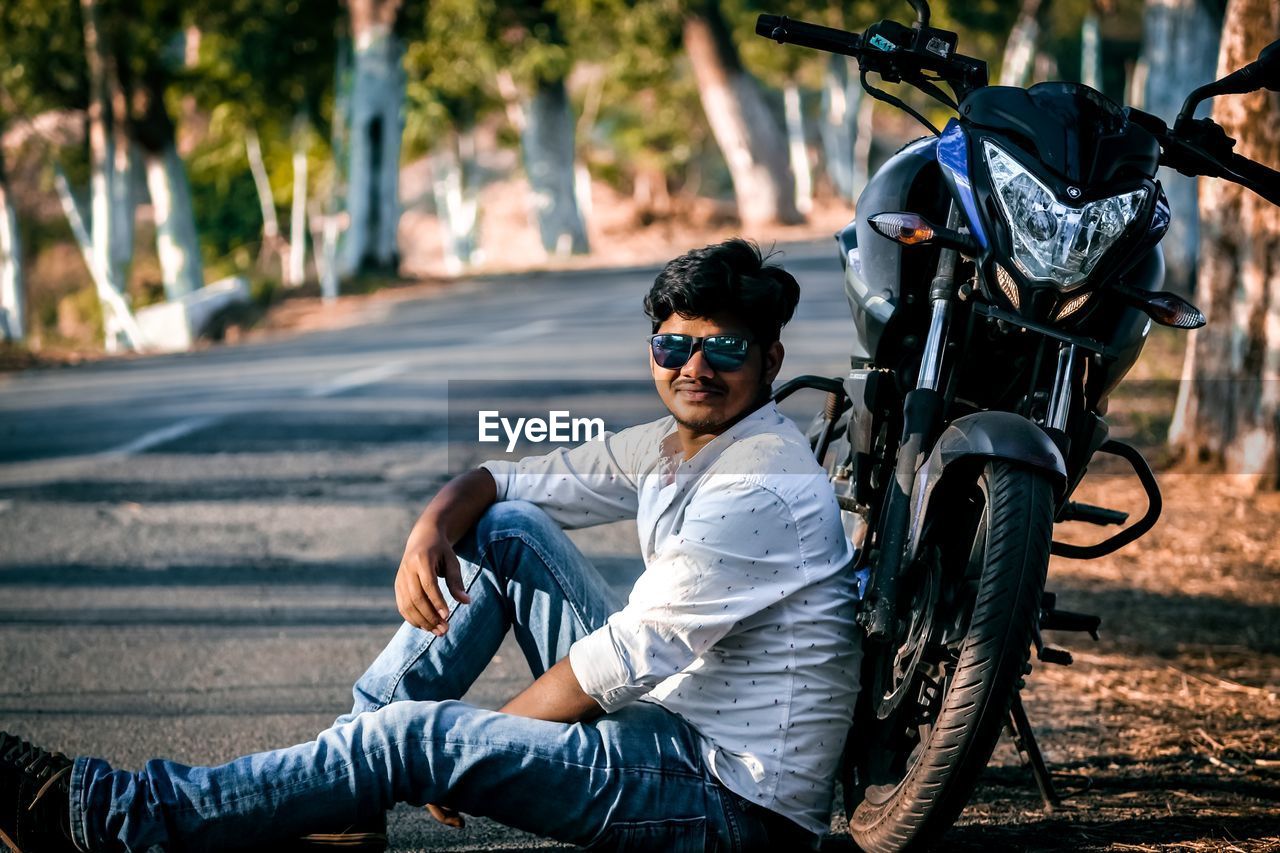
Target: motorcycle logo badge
<point>1073,192</point>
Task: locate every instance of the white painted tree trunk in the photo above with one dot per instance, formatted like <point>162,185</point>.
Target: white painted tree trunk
<point>177,242</point>
<point>841,97</point>
<point>106,247</point>
<point>373,170</point>
<point>797,150</point>
<point>1179,52</point>
<point>548,147</point>
<point>266,199</point>
<point>1020,49</point>
<point>12,292</point>
<point>1091,50</point>
<point>457,204</point>
<point>117,314</point>
<point>753,145</point>
<point>295,270</point>
<point>862,145</point>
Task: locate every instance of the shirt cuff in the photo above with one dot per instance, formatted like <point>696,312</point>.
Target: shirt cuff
<point>502,473</point>
<point>601,672</point>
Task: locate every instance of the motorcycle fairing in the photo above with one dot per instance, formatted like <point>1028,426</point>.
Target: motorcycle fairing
<point>1082,138</point>
<point>877,269</point>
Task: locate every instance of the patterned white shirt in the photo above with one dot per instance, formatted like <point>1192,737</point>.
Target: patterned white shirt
<point>743,619</point>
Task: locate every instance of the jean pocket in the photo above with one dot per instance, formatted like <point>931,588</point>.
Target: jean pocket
<point>678,835</point>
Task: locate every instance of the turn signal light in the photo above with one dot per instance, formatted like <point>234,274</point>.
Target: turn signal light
<point>906,228</point>
<point>1009,287</point>
<point>1170,310</point>
<point>1071,306</point>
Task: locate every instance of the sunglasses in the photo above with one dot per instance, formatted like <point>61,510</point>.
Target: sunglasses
<point>724,353</point>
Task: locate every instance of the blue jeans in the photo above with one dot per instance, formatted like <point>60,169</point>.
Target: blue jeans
<point>634,779</point>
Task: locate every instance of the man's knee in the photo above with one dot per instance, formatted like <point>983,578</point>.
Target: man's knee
<point>506,517</point>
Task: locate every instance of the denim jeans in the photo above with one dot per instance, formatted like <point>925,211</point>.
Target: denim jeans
<point>634,779</point>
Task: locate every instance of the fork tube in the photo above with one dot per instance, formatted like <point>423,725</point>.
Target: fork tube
<point>1060,402</point>
<point>941,292</point>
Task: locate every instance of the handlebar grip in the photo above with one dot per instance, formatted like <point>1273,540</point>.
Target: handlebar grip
<point>786,31</point>
<point>1261,179</point>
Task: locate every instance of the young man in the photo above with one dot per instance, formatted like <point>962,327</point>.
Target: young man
<point>708,713</point>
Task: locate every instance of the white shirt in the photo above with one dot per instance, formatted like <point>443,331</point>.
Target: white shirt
<point>743,619</point>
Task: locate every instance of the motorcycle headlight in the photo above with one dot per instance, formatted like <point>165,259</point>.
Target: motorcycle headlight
<point>1052,240</point>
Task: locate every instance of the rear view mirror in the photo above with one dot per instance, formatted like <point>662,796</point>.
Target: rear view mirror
<point>1269,67</point>
<point>1262,73</point>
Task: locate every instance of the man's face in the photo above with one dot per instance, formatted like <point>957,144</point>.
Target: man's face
<point>706,400</point>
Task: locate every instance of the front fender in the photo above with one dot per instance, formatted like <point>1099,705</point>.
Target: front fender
<point>980,436</point>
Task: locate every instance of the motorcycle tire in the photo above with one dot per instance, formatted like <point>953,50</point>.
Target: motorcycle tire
<point>1018,516</point>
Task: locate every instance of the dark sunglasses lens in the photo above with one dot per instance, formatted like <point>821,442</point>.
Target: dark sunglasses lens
<point>671,351</point>
<point>725,352</point>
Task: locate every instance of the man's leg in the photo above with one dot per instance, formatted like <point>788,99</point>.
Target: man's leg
<point>521,571</point>
<point>634,779</point>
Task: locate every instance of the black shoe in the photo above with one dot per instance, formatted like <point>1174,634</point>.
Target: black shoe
<point>35,800</point>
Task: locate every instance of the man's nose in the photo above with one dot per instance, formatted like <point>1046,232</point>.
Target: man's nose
<point>697,366</point>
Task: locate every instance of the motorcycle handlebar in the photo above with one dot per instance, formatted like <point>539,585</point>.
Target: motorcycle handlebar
<point>784,30</point>
<point>1257,177</point>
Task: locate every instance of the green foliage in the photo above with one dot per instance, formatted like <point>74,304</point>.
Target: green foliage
<point>41,57</point>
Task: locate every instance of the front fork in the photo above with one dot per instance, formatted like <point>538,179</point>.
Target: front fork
<point>922,417</point>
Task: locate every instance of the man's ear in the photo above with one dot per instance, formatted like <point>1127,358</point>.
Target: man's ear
<point>772,362</point>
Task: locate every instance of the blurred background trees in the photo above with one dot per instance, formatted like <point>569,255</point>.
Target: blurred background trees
<point>150,147</point>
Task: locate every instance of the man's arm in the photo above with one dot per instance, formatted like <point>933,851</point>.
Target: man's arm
<point>429,555</point>
<point>555,696</point>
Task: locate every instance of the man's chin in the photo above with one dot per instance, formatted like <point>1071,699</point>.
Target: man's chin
<point>702,419</point>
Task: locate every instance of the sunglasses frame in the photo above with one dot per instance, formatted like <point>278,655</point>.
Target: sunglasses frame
<point>698,343</point>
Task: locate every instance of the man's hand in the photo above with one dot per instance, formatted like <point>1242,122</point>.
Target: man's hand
<point>428,555</point>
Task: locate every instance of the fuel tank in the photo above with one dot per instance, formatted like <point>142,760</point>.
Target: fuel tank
<point>880,279</point>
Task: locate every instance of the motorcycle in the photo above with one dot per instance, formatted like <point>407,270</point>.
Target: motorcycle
<point>1003,273</point>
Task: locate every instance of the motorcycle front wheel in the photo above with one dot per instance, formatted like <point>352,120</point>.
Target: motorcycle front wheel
<point>908,773</point>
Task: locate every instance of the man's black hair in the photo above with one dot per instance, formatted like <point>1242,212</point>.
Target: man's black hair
<point>730,278</point>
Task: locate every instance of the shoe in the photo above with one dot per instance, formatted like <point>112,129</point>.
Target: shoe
<point>35,799</point>
<point>364,836</point>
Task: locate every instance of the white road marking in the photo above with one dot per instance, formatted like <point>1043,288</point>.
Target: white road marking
<point>173,432</point>
<point>357,379</point>
<point>525,331</point>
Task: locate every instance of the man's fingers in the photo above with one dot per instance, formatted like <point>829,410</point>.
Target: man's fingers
<point>414,604</point>
<point>452,573</point>
<point>427,580</point>
<point>446,815</point>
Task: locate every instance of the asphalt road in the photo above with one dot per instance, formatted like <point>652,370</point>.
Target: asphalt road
<point>198,551</point>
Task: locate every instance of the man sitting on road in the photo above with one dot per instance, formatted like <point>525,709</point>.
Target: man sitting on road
<point>709,712</point>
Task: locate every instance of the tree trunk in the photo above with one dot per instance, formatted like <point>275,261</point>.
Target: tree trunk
<point>1091,49</point>
<point>375,131</point>
<point>1231,411</point>
<point>862,145</point>
<point>841,96</point>
<point>548,143</point>
<point>797,150</point>
<point>12,290</point>
<point>266,199</point>
<point>1179,49</point>
<point>117,317</point>
<point>457,206</point>
<point>296,269</point>
<point>177,242</point>
<point>745,129</point>
<point>1020,49</point>
<point>105,195</point>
